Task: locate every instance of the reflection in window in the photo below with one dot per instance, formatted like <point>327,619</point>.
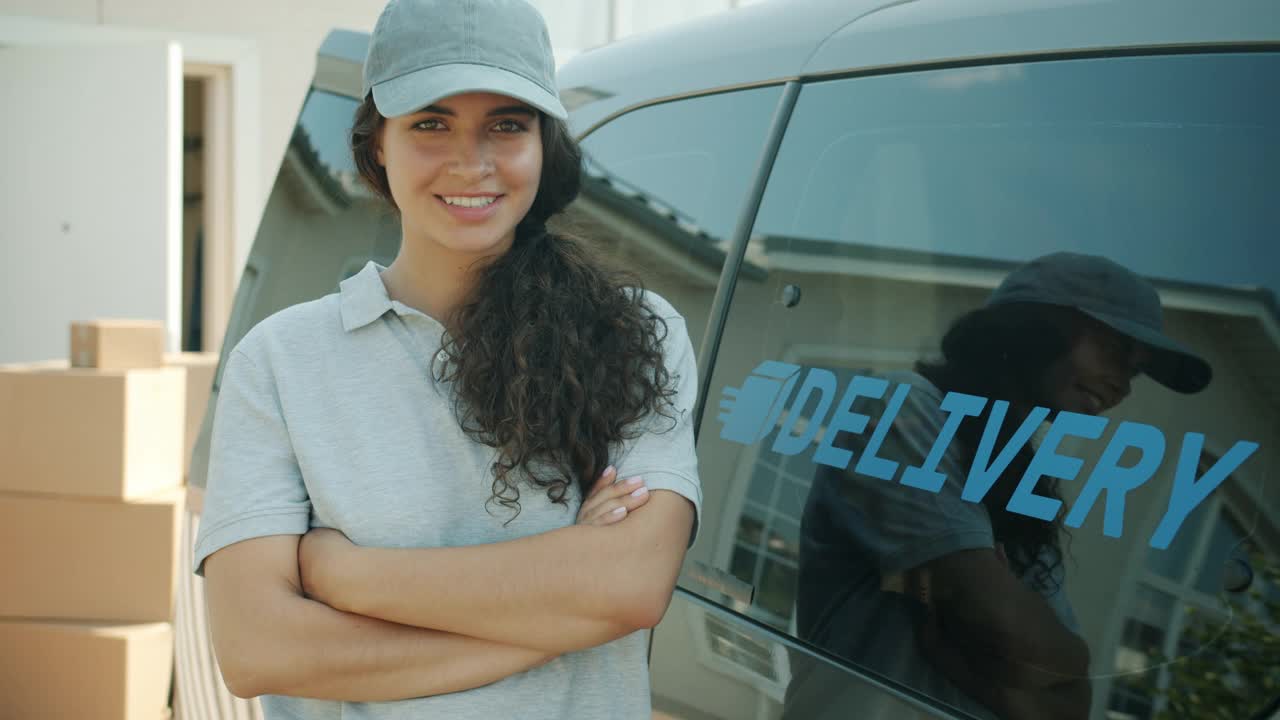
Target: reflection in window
<point>899,200</point>
<point>1227,542</point>
<point>688,162</point>
<point>319,153</point>
<point>767,545</point>
<point>1184,618</point>
<point>1017,161</point>
<point>739,647</point>
<point>766,551</point>
<point>1172,563</point>
<point>321,223</point>
<point>1143,639</point>
<point>662,188</point>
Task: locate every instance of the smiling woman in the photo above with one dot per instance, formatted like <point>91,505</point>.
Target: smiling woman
<point>463,172</point>
<point>399,471</point>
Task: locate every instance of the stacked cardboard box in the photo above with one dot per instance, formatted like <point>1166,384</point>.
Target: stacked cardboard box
<point>85,670</point>
<point>90,513</point>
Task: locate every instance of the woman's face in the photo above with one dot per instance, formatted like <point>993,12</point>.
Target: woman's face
<point>464,171</point>
<point>1095,375</point>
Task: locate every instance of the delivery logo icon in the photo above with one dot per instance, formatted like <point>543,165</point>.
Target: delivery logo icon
<point>751,411</point>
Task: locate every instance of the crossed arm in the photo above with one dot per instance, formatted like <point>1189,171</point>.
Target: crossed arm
<point>984,630</point>
<point>368,624</point>
<point>270,638</point>
<point>1000,642</point>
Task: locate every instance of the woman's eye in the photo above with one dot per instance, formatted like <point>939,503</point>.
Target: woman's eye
<point>431,124</point>
<point>510,126</point>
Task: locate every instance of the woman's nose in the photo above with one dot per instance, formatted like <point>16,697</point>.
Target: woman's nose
<point>471,159</point>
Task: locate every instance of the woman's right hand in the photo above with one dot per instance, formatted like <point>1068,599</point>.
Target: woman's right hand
<point>612,500</point>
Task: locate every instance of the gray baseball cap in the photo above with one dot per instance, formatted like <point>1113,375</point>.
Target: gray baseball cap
<point>424,50</point>
<point>1117,297</point>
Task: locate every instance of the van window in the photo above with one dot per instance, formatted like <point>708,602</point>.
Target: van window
<point>896,205</point>
<point>663,186</point>
<point>321,224</point>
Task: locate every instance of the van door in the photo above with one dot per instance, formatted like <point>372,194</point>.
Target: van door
<point>664,189</point>
<point>896,204</point>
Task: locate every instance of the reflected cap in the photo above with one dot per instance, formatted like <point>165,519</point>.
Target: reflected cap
<point>422,51</point>
<point>1115,296</point>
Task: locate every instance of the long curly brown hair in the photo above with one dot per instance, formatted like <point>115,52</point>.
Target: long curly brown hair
<point>1002,353</point>
<point>554,356</point>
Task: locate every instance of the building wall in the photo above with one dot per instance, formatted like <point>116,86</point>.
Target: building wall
<point>88,227</point>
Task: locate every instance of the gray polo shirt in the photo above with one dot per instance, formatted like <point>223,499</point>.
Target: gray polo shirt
<point>329,416</point>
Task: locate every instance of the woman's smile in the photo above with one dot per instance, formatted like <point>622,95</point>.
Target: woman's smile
<point>471,208</point>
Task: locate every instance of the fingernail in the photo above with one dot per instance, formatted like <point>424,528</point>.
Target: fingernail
<point>610,470</point>
<point>639,491</point>
<point>634,481</point>
<point>619,511</point>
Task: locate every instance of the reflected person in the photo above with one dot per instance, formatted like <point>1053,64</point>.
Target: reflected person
<point>965,601</point>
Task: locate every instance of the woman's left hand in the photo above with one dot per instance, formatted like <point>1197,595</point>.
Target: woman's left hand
<point>611,500</point>
<point>322,556</point>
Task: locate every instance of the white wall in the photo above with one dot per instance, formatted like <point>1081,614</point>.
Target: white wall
<point>90,192</point>
<point>283,34</point>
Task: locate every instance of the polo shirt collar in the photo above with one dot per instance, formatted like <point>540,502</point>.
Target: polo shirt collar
<point>364,297</point>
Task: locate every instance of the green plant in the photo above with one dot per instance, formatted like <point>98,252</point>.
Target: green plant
<point>1232,668</point>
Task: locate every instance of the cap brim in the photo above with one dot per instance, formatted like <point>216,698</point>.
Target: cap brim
<point>1172,364</point>
<point>413,91</point>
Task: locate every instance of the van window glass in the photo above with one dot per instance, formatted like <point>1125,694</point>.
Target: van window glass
<point>663,186</point>
<point>896,206</point>
<point>321,224</point>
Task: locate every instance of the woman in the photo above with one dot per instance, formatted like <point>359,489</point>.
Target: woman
<point>965,601</point>
<point>397,468</point>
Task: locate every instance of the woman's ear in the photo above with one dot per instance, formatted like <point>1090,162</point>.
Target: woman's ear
<point>378,155</point>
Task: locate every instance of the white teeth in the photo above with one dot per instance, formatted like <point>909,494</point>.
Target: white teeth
<point>471,202</point>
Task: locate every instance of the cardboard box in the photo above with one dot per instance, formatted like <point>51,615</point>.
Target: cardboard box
<point>82,670</point>
<point>67,558</point>
<point>201,368</point>
<point>93,433</point>
<point>117,344</point>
